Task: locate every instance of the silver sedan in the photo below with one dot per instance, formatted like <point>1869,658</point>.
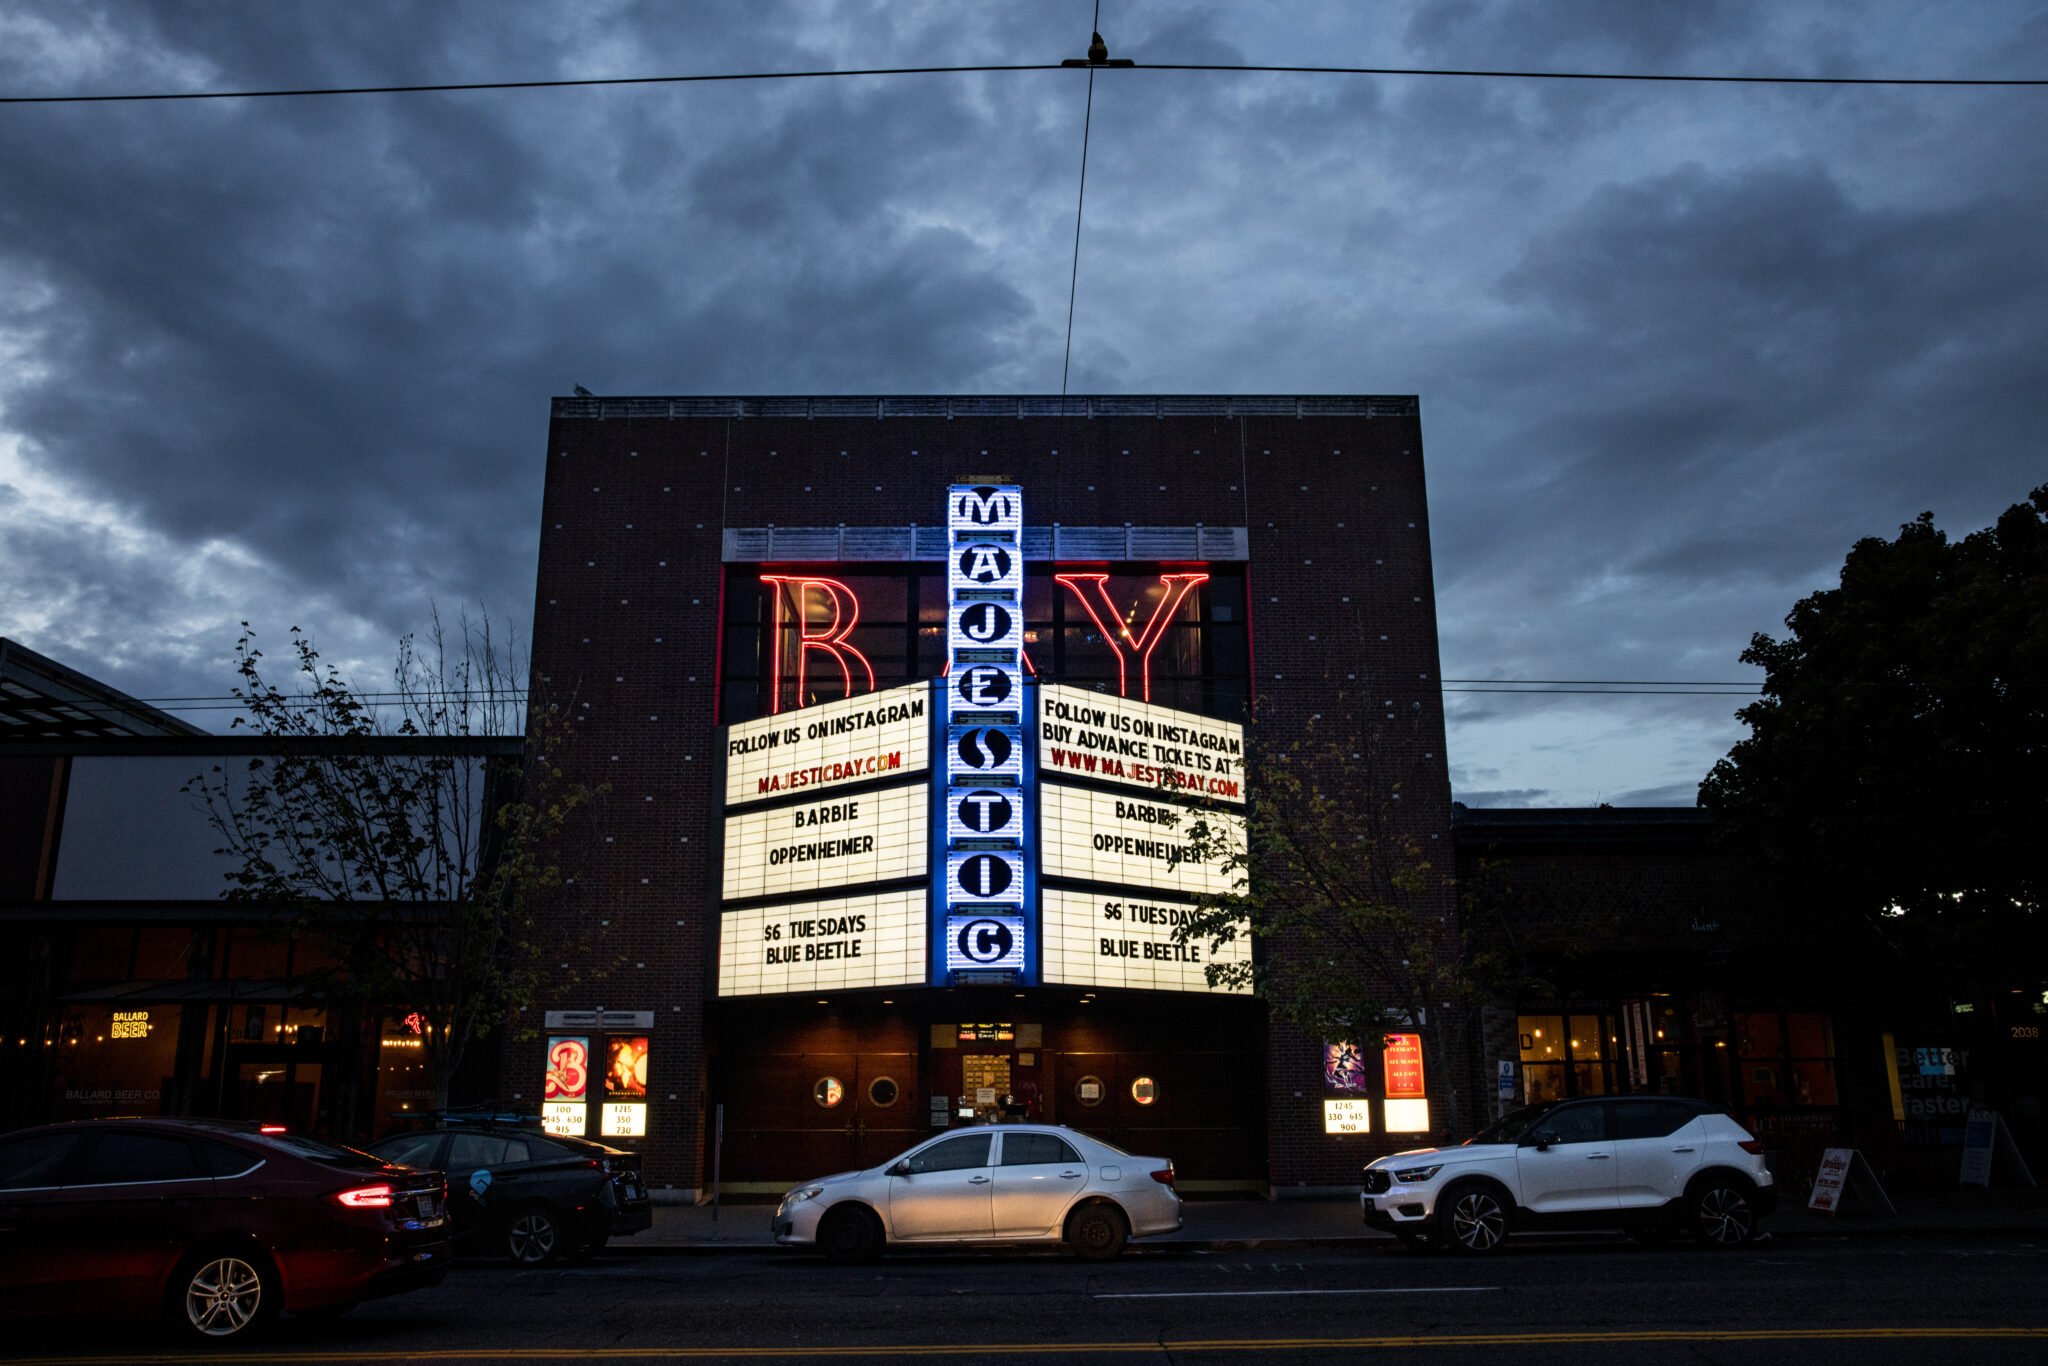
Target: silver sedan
<point>1003,1183</point>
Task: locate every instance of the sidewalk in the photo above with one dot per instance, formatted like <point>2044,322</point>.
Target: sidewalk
<point>1276,1225</point>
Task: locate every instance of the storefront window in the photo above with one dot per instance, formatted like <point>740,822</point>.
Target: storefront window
<point>1565,1055</point>
<point>114,1060</point>
<point>1543,1058</point>
<point>1587,1039</point>
<point>404,1087</point>
<point>1787,1059</point>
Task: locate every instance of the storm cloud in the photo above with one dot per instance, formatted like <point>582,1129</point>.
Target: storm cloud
<point>1677,346</point>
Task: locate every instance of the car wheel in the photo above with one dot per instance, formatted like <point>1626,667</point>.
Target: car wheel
<point>218,1296</point>
<point>850,1234</point>
<point>1723,1215</point>
<point>534,1237</point>
<point>1471,1219</point>
<point>1097,1232</point>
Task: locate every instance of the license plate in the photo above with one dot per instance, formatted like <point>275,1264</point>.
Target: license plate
<point>430,1206</point>
<point>635,1191</point>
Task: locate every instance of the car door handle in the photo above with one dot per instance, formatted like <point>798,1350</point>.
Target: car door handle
<point>1682,1150</point>
<point>1598,1157</point>
<point>1071,1176</point>
<point>977,1180</point>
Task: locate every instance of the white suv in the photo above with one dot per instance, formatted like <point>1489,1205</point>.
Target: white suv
<point>1652,1165</point>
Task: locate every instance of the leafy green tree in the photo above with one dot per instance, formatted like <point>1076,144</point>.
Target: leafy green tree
<point>1354,922</point>
<point>1894,782</point>
<point>402,849</point>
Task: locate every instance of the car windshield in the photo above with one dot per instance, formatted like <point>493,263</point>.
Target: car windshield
<point>1512,1125</point>
<point>331,1154</point>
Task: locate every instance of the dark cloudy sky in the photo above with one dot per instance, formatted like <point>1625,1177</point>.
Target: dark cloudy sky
<point>1677,345</point>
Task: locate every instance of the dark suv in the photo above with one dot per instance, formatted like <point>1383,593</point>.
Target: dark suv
<point>216,1224</point>
<point>529,1195</point>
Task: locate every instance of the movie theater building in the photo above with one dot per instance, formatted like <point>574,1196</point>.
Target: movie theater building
<point>905,708</point>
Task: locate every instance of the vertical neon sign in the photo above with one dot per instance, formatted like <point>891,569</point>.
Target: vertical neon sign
<point>986,928</point>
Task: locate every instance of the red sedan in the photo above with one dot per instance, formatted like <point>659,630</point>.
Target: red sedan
<point>214,1224</point>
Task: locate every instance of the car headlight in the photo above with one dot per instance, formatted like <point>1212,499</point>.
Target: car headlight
<point>1412,1174</point>
<point>797,1197</point>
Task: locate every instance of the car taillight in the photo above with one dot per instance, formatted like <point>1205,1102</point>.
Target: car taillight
<point>365,1197</point>
<point>1164,1177</point>
<point>1750,1145</point>
<point>271,1129</point>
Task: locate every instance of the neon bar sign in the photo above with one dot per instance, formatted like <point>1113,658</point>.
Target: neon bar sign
<point>987,801</point>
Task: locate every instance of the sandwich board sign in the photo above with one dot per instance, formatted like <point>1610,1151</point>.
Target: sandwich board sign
<point>1843,1170</point>
<point>1987,1142</point>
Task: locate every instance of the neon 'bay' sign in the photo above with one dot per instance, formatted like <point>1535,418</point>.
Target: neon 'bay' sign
<point>824,613</point>
<point>801,592</point>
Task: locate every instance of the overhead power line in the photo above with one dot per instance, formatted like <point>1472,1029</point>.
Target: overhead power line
<point>1469,73</point>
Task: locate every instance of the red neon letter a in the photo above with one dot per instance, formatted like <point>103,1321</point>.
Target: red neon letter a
<point>832,639</point>
<point>1103,613</point>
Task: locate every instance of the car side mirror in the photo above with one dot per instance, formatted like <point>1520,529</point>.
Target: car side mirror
<point>900,1169</point>
<point>1540,1140</point>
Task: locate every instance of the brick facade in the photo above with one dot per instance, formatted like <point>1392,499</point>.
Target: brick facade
<point>626,636</point>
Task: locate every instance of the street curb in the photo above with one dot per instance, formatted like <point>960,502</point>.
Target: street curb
<point>1166,1245</point>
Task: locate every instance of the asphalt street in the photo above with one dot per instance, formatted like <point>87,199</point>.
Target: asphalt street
<point>1813,1302</point>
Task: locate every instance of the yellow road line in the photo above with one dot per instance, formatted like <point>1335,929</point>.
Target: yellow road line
<point>1068,1348</point>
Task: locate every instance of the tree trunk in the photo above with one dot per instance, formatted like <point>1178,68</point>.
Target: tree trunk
<point>1437,1050</point>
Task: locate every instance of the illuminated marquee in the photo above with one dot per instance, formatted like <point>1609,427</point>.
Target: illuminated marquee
<point>824,819</point>
<point>1131,841</point>
<point>1091,735</point>
<point>836,842</point>
<point>1097,939</point>
<point>986,804</point>
<point>844,942</point>
<point>833,744</point>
